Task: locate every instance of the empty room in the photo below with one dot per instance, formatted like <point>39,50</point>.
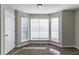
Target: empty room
<point>39,29</point>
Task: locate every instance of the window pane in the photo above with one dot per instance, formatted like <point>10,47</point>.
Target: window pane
<point>24,29</point>
<point>55,29</point>
<point>35,29</point>
<point>39,29</point>
<point>44,29</point>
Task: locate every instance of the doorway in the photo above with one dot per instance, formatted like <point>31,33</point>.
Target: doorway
<point>9,36</point>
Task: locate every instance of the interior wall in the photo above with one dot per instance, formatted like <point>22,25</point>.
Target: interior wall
<point>18,15</point>
<point>11,10</point>
<point>68,28</point>
<point>39,16</point>
<point>76,32</point>
<point>0,29</point>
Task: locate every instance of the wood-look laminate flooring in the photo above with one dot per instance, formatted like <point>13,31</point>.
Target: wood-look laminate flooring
<point>44,49</point>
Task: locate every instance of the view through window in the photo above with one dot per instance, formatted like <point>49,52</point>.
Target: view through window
<point>24,29</point>
<point>55,29</point>
<point>39,29</point>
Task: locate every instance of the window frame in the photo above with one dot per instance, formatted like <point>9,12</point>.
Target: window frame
<point>27,39</point>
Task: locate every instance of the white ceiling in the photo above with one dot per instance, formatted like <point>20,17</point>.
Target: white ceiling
<point>46,9</point>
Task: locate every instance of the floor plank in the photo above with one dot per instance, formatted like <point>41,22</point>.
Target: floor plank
<point>44,49</point>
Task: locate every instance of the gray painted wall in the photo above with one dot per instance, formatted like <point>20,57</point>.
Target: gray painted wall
<point>0,29</point>
<point>76,28</point>
<point>39,16</point>
<point>68,28</point>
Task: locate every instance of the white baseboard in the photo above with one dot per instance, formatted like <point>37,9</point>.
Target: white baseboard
<point>39,42</point>
<point>21,45</point>
<point>29,43</point>
<point>76,47</point>
<point>63,45</point>
<point>9,51</point>
<point>57,44</point>
<point>68,46</point>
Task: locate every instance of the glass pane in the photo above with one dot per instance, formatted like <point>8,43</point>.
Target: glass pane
<point>39,29</point>
<point>55,29</point>
<point>44,29</point>
<point>24,29</point>
<point>35,29</point>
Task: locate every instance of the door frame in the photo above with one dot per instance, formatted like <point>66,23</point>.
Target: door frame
<point>3,25</point>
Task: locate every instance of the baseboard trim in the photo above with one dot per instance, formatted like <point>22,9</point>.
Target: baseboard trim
<point>68,46</point>
<point>76,47</point>
<point>10,51</point>
<point>21,45</point>
<point>57,44</point>
<point>39,42</point>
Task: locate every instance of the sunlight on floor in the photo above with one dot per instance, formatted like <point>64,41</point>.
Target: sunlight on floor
<point>56,52</point>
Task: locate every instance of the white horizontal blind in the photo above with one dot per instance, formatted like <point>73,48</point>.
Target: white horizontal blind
<point>24,29</point>
<point>39,29</point>
<point>55,29</point>
<point>44,29</point>
<point>35,29</point>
